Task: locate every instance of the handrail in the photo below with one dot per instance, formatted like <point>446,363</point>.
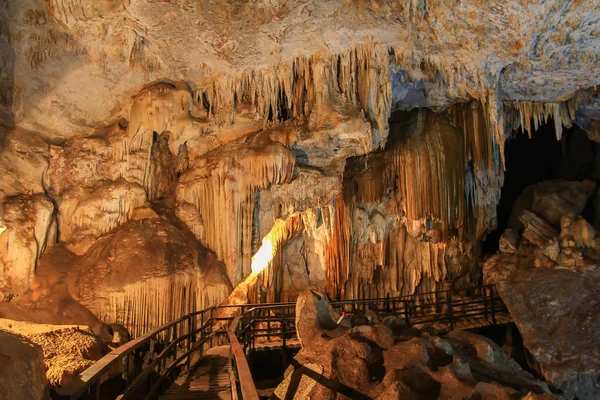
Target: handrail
<point>247,387</point>
<point>93,375</point>
<point>193,336</point>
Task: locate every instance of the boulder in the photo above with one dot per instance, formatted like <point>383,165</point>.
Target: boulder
<point>22,370</point>
<point>537,231</point>
<point>369,362</point>
<point>147,272</point>
<point>556,311</point>
<point>551,200</point>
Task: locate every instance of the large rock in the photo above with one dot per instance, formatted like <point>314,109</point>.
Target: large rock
<point>67,350</point>
<point>147,272</point>
<point>556,311</point>
<point>22,370</point>
<point>551,200</point>
<point>368,361</point>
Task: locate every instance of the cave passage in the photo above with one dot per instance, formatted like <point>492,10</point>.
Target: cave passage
<point>529,161</point>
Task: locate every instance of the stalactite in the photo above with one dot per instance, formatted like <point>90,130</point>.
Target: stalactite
<point>221,186</point>
<point>337,253</point>
<point>360,76</point>
<point>426,171</point>
<point>485,175</point>
<point>144,306</point>
<point>563,114</point>
<point>411,212</point>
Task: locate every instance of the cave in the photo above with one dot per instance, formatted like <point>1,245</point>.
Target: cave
<point>528,161</point>
<point>369,193</point>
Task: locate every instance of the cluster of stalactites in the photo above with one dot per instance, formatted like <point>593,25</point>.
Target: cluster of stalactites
<point>485,171</point>
<point>144,306</point>
<point>223,191</point>
<point>337,253</point>
<point>425,173</point>
<point>563,114</point>
<point>359,76</point>
<point>398,265</point>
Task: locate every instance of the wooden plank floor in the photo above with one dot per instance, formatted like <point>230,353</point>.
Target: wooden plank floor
<point>207,379</point>
<point>469,323</point>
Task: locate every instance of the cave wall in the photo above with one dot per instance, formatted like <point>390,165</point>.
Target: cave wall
<point>286,137</point>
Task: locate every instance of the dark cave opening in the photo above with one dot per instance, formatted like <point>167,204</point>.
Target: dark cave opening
<point>527,161</point>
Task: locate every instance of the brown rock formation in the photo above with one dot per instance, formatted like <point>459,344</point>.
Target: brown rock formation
<point>556,312</point>
<point>549,283</point>
<point>22,369</point>
<point>368,362</point>
<point>170,147</point>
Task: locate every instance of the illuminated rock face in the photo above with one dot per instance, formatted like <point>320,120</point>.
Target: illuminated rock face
<point>281,135</point>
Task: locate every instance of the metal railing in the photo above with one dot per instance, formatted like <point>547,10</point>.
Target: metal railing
<point>148,363</point>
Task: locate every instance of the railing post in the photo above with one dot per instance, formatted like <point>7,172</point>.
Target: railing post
<point>492,304</point>
<point>449,298</point>
<point>406,316</point>
<point>485,302</point>
<point>189,341</point>
<point>253,330</point>
<point>283,326</point>
<point>125,373</point>
<point>174,338</point>
<point>96,389</point>
<point>210,324</point>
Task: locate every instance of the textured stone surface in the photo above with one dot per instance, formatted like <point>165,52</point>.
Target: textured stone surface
<point>368,361</point>
<point>556,311</point>
<point>89,57</point>
<point>145,273</point>
<point>30,228</point>
<point>22,370</point>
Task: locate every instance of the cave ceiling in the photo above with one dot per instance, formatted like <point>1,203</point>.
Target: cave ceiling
<point>73,66</point>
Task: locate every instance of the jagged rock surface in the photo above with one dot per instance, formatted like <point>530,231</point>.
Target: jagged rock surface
<point>549,282</point>
<point>556,311</point>
<point>367,361</point>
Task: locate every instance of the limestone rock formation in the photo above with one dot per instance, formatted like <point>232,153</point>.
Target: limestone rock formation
<point>67,350</point>
<point>144,266</point>
<point>30,228</point>
<point>556,312</point>
<point>367,361</point>
<point>156,154</point>
<point>549,282</point>
<point>22,369</point>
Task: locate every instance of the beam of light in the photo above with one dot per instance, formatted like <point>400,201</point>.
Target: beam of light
<point>3,227</point>
<point>263,256</point>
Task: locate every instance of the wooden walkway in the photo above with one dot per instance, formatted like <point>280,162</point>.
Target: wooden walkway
<point>467,323</point>
<point>207,379</point>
